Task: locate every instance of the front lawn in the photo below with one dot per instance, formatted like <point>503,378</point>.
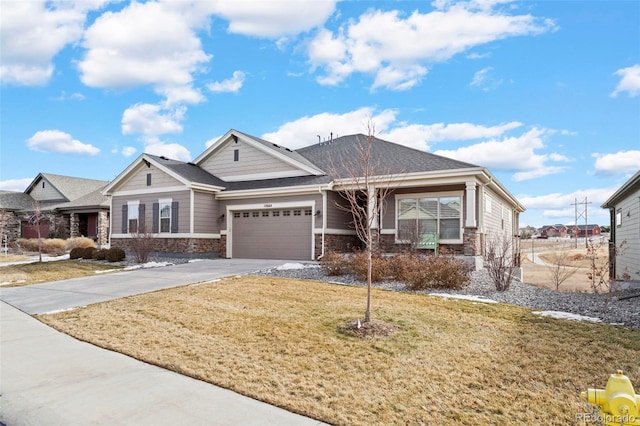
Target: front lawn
<point>282,341</point>
<point>42,272</point>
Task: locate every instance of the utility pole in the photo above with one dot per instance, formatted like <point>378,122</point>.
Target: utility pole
<point>579,214</point>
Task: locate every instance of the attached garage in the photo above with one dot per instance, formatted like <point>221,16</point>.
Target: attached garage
<point>272,234</point>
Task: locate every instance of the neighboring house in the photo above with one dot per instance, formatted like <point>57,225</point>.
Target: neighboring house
<point>70,207</point>
<point>249,198</point>
<point>585,231</point>
<point>624,209</point>
<point>557,230</point>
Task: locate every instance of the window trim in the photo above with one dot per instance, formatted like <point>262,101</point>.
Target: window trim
<point>161,202</point>
<point>418,195</point>
<point>133,206</point>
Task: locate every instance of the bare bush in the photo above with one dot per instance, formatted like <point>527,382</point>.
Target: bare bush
<point>142,245</point>
<point>360,266</point>
<point>334,264</point>
<point>55,246</point>
<point>433,272</point>
<point>500,261</point>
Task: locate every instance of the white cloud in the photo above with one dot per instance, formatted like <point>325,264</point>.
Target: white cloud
<point>33,32</point>
<point>170,150</point>
<point>128,151</point>
<point>559,207</point>
<point>60,142</point>
<point>516,153</point>
<point>125,49</point>
<point>305,131</point>
<point>232,85</point>
<point>152,120</point>
<point>64,96</point>
<point>630,81</point>
<point>274,18</point>
<point>483,80</point>
<point>397,49</point>
<point>619,162</point>
<point>15,184</point>
<point>420,136</point>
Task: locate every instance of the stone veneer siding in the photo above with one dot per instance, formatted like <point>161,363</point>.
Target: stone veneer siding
<point>337,243</point>
<point>181,246</point>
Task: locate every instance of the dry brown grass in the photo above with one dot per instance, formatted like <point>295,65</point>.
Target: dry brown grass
<point>42,272</point>
<point>13,258</point>
<point>539,275</point>
<point>282,341</point>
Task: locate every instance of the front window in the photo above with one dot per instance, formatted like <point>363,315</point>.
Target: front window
<point>165,216</point>
<point>132,215</point>
<point>429,215</point>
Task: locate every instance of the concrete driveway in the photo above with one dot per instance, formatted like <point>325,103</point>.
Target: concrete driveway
<point>69,294</point>
<point>48,378</point>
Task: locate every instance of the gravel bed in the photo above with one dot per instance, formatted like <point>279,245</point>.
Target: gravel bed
<point>606,307</point>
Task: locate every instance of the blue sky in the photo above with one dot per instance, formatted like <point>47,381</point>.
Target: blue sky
<point>545,94</point>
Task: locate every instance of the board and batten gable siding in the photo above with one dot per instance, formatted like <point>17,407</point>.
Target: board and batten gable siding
<point>48,193</point>
<point>206,213</point>
<point>138,179</point>
<point>271,203</point>
<point>251,161</point>
<point>182,197</point>
<point>628,261</point>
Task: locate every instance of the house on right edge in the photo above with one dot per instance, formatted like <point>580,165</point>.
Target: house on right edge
<point>624,243</point>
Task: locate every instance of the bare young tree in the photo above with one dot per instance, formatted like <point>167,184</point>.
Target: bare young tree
<point>35,220</point>
<point>500,261</point>
<point>365,192</point>
<point>560,268</point>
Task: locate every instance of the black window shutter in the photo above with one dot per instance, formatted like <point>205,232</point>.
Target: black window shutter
<point>156,218</point>
<point>174,217</point>
<point>141,228</point>
<point>125,218</point>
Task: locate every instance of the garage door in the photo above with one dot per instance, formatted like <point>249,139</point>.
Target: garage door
<point>272,234</point>
<point>31,231</point>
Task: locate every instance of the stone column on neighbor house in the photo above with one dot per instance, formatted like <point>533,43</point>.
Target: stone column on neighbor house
<point>74,225</point>
<point>471,242</point>
<point>103,228</point>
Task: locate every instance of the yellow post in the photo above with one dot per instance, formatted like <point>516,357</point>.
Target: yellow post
<point>618,402</point>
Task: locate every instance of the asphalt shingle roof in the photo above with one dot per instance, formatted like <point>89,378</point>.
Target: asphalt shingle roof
<point>339,157</point>
<point>72,188</point>
<point>15,201</point>
<point>189,171</point>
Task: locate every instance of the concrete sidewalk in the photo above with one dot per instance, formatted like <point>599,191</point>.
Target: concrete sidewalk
<point>49,378</point>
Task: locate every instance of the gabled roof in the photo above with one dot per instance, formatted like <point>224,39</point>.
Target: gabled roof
<point>628,187</point>
<point>15,201</point>
<point>290,157</point>
<point>339,157</point>
<point>187,173</point>
<point>70,187</point>
<point>92,200</point>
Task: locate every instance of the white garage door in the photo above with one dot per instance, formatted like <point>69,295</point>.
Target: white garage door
<point>272,234</point>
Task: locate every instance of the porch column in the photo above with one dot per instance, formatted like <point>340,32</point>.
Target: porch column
<point>74,225</point>
<point>471,205</point>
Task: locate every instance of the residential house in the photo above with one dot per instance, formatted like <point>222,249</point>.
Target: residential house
<point>624,210</point>
<point>557,230</point>
<point>250,198</point>
<point>70,207</point>
<point>585,231</point>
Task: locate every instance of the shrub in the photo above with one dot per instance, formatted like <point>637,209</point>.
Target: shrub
<point>115,254</point>
<point>334,263</point>
<point>436,272</point>
<point>80,242</point>
<point>56,246</point>
<point>100,254</point>
<point>82,253</point>
<point>142,243</point>
<point>379,266</point>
